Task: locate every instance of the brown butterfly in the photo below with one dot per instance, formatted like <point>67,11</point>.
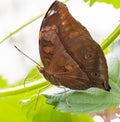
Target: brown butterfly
<point>70,56</point>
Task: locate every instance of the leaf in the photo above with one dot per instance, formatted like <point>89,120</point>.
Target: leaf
<point>84,101</point>
<point>10,109</point>
<point>115,3</point>
<point>93,99</point>
<point>46,113</point>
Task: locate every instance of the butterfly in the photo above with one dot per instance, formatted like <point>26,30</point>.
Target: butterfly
<point>70,56</point>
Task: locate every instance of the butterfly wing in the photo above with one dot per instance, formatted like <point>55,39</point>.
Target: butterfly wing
<point>68,52</point>
<point>60,68</point>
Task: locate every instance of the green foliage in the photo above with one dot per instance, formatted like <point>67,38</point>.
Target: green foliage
<point>84,101</point>
<point>21,108</point>
<point>10,109</point>
<point>115,3</point>
<point>46,113</point>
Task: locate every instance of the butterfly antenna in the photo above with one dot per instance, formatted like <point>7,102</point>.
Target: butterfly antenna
<point>38,65</point>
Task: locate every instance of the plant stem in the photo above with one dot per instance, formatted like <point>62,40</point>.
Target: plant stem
<point>65,1</point>
<point>22,89</point>
<point>21,27</point>
<point>105,43</point>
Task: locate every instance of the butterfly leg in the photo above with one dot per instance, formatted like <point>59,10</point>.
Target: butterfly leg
<point>29,79</point>
<point>37,98</point>
<point>65,95</point>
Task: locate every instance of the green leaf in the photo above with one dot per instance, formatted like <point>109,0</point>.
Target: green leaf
<point>10,109</point>
<point>93,99</point>
<point>115,3</point>
<point>46,113</point>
